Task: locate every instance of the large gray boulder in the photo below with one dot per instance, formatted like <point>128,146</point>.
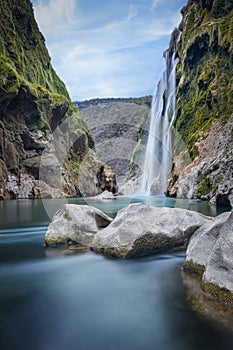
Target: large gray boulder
<point>210,254</point>
<point>140,230</point>
<point>202,243</point>
<point>218,275</point>
<point>76,224</point>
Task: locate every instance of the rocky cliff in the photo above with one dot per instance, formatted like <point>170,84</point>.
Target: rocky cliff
<point>45,144</point>
<point>117,125</point>
<point>204,119</point>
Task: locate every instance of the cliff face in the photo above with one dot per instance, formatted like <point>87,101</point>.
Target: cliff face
<point>204,119</point>
<point>117,125</point>
<point>45,144</point>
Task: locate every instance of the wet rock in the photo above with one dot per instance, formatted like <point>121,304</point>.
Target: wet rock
<point>140,230</point>
<point>76,224</point>
<point>204,304</point>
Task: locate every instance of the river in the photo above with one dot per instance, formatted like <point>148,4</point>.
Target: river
<point>51,299</point>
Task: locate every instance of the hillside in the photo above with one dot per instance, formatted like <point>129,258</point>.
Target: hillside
<point>116,125</point>
<point>45,144</point>
<point>204,118</point>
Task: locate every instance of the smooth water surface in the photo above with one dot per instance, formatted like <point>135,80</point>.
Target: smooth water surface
<point>52,301</point>
<point>21,213</point>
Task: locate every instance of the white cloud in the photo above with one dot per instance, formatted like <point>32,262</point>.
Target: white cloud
<point>111,74</point>
<point>132,12</point>
<point>114,56</point>
<point>154,4</point>
<point>55,16</point>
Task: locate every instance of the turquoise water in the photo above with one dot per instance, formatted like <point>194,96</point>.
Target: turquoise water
<point>18,213</point>
<point>52,301</point>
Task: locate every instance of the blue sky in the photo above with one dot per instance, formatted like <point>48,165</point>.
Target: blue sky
<point>108,48</point>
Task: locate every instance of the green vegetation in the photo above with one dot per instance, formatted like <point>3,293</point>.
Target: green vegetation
<point>58,100</point>
<point>204,187</point>
<point>9,79</point>
<point>23,46</point>
<point>193,268</point>
<point>25,62</point>
<point>205,87</point>
<point>223,294</point>
<point>33,98</point>
<point>42,124</point>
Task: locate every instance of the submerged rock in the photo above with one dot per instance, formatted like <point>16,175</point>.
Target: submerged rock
<point>75,224</point>
<point>205,305</point>
<point>210,255</point>
<point>140,230</point>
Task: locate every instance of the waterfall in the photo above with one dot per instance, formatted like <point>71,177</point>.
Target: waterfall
<point>158,154</point>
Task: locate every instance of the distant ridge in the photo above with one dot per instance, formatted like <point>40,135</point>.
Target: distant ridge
<point>145,100</point>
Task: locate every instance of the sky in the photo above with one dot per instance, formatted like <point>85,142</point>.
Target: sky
<point>108,48</point>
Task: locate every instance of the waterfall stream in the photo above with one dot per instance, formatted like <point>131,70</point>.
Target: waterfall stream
<point>158,155</point>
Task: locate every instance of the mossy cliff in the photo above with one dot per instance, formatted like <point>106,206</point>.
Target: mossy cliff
<point>204,46</point>
<point>37,119</point>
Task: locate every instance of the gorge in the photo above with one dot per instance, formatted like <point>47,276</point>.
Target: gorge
<point>81,271</point>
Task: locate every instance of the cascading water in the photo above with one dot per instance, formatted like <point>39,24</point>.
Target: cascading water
<point>158,155</point>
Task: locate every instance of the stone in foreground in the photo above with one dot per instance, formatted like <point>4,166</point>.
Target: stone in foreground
<point>210,254</point>
<point>202,243</point>
<point>218,275</point>
<point>75,224</point>
<point>140,230</point>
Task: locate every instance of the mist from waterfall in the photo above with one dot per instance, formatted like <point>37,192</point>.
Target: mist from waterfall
<point>158,155</point>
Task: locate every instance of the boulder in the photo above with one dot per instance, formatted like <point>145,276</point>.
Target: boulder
<point>105,195</point>
<point>218,276</point>
<point>140,230</point>
<point>210,254</point>
<point>75,224</point>
<point>202,243</point>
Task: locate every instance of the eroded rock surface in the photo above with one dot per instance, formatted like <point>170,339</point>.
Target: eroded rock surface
<point>140,230</point>
<point>76,224</point>
<point>202,243</point>
<point>209,254</point>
